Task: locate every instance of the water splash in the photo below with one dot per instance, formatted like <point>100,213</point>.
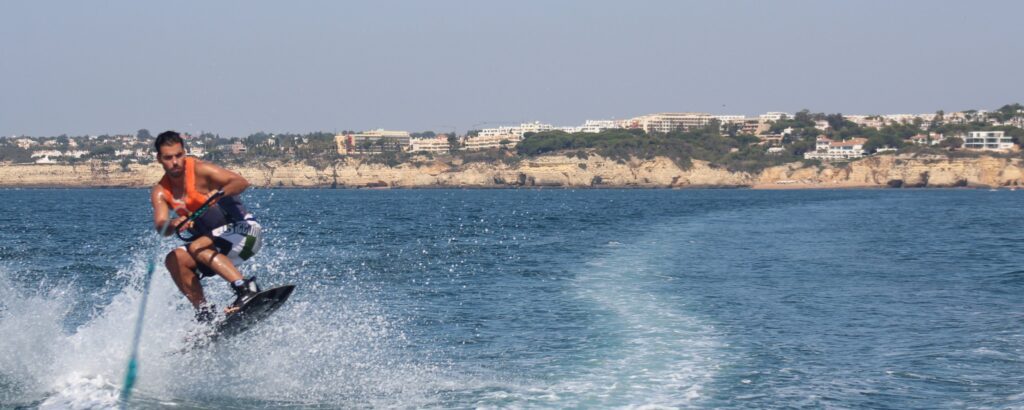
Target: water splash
<point>317,351</point>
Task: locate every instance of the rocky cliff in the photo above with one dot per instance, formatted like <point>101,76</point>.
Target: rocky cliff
<point>557,171</point>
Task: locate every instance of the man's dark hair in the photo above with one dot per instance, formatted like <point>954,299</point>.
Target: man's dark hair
<point>168,138</point>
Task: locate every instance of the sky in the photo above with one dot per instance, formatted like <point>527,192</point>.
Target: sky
<point>240,67</point>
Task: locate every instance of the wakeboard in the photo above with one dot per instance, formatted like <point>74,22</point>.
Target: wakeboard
<point>257,309</point>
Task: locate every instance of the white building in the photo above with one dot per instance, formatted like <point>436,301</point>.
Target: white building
<point>932,138</point>
<point>25,143</point>
<point>755,126</point>
<point>988,141</point>
<point>774,116</point>
<point>372,142</point>
<point>671,121</point>
<point>964,117</point>
<point>516,132</point>
<point>868,121</point>
<point>926,119</point>
<point>593,126</point>
<point>237,148</point>
<point>480,142</point>
<point>504,136</point>
<point>731,119</point>
<point>437,144</point>
<point>47,153</point>
<point>826,149</point>
<point>534,127</point>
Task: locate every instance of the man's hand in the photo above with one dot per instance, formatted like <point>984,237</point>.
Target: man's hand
<point>178,221</point>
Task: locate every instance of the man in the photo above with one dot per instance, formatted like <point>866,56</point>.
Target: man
<point>224,236</point>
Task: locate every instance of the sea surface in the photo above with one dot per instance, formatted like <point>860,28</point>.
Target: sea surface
<point>534,299</point>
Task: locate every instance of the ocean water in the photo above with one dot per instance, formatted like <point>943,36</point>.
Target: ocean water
<point>535,299</point>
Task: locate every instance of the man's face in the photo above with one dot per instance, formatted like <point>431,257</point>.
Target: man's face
<point>172,157</point>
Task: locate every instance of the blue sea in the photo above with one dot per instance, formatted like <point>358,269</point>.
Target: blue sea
<point>534,299</point>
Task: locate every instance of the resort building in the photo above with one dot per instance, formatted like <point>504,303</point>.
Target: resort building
<point>504,136</point>
<point>730,119</point>
<point>25,143</point>
<point>829,150</point>
<point>770,139</point>
<point>774,116</point>
<point>372,142</point>
<point>868,121</point>
<point>517,131</point>
<point>46,153</point>
<point>438,144</point>
<point>671,121</point>
<point>754,126</point>
<point>480,142</point>
<point>932,138</point>
<point>988,141</point>
<point>593,126</point>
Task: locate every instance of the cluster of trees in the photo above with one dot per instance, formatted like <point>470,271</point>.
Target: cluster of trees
<point>13,153</point>
<point>682,147</point>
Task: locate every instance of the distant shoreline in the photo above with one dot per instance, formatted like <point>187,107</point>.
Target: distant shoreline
<point>560,172</point>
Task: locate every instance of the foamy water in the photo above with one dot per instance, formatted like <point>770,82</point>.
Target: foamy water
<point>304,355</point>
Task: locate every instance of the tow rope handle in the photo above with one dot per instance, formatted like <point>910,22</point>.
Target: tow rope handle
<point>198,213</point>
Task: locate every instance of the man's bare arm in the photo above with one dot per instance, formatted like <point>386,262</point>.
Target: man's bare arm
<point>160,211</point>
<point>219,178</point>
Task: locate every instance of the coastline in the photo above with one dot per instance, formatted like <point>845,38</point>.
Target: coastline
<point>558,171</point>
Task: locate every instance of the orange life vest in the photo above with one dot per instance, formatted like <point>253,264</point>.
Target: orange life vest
<point>193,199</point>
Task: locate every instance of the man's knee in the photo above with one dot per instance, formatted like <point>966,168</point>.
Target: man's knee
<point>177,259</point>
<point>194,248</point>
<point>171,261</point>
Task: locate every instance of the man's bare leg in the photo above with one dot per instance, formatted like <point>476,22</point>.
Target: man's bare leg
<point>182,267</point>
<point>202,251</point>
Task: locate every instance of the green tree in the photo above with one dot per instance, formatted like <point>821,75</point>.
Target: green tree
<point>1008,111</point>
<point>143,134</point>
<point>836,121</point>
<point>951,142</point>
<point>937,120</point>
<point>803,119</point>
<point>453,143</point>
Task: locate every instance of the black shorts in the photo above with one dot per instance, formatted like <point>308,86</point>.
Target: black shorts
<point>238,241</point>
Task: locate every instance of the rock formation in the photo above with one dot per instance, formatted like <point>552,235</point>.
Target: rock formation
<point>557,171</point>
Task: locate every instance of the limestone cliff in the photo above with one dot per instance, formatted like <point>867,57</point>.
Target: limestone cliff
<point>557,171</point>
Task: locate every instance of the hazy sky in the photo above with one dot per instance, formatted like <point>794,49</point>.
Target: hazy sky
<point>237,67</point>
